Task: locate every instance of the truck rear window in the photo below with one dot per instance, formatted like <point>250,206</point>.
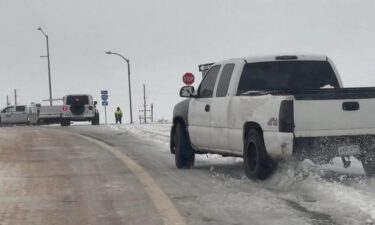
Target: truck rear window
<point>287,75</point>
<point>83,99</point>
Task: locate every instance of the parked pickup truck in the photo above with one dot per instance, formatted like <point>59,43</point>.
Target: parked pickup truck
<point>79,108</point>
<point>35,114</point>
<point>266,108</point>
<point>14,115</point>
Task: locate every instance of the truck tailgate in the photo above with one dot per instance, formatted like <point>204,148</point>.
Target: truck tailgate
<point>335,112</point>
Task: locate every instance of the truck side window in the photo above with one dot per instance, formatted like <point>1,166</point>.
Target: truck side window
<point>222,88</point>
<point>20,108</point>
<point>206,88</point>
<point>8,110</point>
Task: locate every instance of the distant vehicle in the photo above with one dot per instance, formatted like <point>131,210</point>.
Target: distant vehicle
<point>15,115</point>
<point>50,114</point>
<point>265,108</point>
<point>79,108</point>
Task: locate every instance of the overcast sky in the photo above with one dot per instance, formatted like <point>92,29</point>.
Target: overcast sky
<point>166,38</point>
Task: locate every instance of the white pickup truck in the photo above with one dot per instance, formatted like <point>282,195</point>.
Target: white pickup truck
<point>11,115</point>
<point>265,108</point>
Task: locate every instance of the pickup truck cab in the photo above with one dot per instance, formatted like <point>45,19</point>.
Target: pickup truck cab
<point>14,115</point>
<point>272,107</point>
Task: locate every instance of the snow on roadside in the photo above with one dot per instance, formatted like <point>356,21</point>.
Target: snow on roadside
<point>347,198</point>
<point>155,132</point>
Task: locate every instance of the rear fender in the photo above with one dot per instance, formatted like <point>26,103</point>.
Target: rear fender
<point>250,125</point>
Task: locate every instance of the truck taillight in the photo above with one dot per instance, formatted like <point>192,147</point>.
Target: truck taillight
<point>65,108</point>
<point>286,116</point>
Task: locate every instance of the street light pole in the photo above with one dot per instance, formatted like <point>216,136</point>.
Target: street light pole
<point>130,92</point>
<point>49,66</point>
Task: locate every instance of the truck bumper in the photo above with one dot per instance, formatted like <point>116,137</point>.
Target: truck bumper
<point>320,150</point>
<point>323,149</point>
<point>83,117</point>
<point>278,144</point>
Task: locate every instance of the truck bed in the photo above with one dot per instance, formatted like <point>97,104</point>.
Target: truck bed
<point>50,111</point>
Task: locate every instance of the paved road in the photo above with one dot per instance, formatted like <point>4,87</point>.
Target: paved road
<point>94,175</point>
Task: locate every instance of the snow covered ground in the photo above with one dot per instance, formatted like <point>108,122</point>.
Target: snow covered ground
<point>327,194</point>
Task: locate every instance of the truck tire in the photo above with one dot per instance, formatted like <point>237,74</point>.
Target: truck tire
<point>65,122</point>
<point>257,163</point>
<point>369,166</point>
<point>184,152</point>
<point>95,120</point>
<point>172,140</point>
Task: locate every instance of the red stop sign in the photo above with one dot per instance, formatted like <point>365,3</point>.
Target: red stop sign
<point>188,78</point>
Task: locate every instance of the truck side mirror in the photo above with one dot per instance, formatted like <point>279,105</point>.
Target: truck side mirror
<point>187,91</point>
<point>95,103</point>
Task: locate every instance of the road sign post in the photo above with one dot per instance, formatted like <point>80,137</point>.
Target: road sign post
<point>104,96</point>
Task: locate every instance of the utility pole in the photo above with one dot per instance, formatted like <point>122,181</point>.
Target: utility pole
<point>15,97</point>
<point>49,74</point>
<point>146,114</point>
<point>49,66</point>
<point>8,103</point>
<point>144,103</point>
<point>130,93</point>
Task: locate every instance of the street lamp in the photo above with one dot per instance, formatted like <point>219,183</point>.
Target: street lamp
<point>130,92</point>
<point>49,66</point>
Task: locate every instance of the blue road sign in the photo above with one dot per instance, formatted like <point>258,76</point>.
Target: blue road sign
<point>104,97</point>
<point>104,94</point>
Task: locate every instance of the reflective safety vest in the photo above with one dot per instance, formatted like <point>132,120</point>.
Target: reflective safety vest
<point>118,113</point>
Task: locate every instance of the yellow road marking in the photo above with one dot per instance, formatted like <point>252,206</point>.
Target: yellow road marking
<point>164,205</point>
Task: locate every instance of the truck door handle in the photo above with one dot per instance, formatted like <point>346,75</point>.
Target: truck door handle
<point>207,108</point>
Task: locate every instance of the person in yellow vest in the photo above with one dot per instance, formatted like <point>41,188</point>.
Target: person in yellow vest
<point>118,115</point>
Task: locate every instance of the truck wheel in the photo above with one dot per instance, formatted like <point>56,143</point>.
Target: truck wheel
<point>369,166</point>
<point>184,153</point>
<point>95,120</point>
<point>257,163</point>
<point>172,140</point>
